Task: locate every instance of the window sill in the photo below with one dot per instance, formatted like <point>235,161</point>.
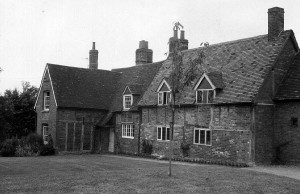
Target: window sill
<point>127,137</point>
<point>45,111</point>
<point>159,140</point>
<point>202,144</point>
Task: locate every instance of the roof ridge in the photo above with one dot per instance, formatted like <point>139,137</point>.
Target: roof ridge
<point>233,41</point>
<point>147,64</point>
<point>81,68</point>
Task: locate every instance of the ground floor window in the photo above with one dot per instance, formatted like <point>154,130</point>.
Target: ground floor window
<point>163,133</point>
<point>202,136</point>
<point>45,129</point>
<point>128,131</point>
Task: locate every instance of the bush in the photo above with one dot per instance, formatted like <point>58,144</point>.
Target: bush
<point>9,147</point>
<point>25,150</point>
<point>147,147</point>
<point>185,149</point>
<point>35,141</point>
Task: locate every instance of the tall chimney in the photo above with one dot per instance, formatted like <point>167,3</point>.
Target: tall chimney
<point>93,59</point>
<point>181,44</point>
<point>143,54</point>
<point>184,43</point>
<point>275,22</point>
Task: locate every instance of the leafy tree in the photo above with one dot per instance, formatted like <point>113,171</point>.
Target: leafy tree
<point>184,72</point>
<point>17,116</point>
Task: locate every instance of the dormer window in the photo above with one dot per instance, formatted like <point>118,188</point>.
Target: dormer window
<point>127,98</point>
<point>127,101</point>
<point>163,93</point>
<point>206,87</point>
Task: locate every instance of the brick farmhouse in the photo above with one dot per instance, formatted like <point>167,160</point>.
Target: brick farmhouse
<point>244,106</point>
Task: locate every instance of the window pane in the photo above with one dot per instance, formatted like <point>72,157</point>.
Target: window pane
<point>199,96</point>
<point>158,133</point>
<point>196,136</point>
<point>160,98</point>
<point>132,130</point>
<point>165,98</point>
<point>210,96</point>
<point>202,136</point>
<point>163,133</point>
<point>205,92</point>
<point>208,137</point>
<point>168,134</point>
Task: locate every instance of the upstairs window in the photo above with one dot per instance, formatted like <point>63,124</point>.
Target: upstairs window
<point>205,90</point>
<point>164,93</point>
<point>127,101</point>
<point>46,100</point>
<point>163,133</point>
<point>45,130</point>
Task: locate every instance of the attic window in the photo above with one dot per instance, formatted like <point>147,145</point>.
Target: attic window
<point>164,93</point>
<point>205,90</point>
<point>127,101</point>
<point>46,104</point>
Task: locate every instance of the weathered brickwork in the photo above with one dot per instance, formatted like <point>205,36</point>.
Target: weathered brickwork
<point>230,126</point>
<point>264,134</point>
<point>286,133</point>
<point>125,144</point>
<point>43,116</point>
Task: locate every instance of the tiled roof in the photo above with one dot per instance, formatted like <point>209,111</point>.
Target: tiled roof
<point>216,79</point>
<point>244,65</point>
<point>83,88</point>
<point>137,78</point>
<point>290,87</point>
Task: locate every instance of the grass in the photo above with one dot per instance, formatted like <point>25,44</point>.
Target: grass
<point>110,174</point>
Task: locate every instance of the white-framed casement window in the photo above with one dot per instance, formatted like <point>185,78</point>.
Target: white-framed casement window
<point>163,133</point>
<point>46,104</point>
<point>202,136</point>
<point>164,93</point>
<point>45,129</point>
<point>163,98</point>
<point>128,131</point>
<point>205,96</point>
<point>127,101</point>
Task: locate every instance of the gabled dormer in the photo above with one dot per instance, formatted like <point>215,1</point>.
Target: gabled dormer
<point>207,86</point>
<point>163,93</point>
<point>127,98</point>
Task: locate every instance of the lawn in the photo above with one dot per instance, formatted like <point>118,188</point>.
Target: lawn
<point>110,174</point>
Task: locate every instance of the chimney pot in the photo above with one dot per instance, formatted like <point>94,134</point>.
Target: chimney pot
<point>93,58</point>
<point>182,34</point>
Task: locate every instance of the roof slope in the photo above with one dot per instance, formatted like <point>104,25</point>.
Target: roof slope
<point>243,63</point>
<point>83,88</point>
<point>290,87</point>
<point>138,79</point>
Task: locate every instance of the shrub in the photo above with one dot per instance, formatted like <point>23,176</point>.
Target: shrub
<point>185,149</point>
<point>25,150</point>
<point>147,147</point>
<point>9,147</point>
<point>48,149</point>
<point>35,142</point>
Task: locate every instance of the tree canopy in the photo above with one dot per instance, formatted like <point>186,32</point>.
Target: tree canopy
<point>17,115</point>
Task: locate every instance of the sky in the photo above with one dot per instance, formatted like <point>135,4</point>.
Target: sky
<point>36,32</point>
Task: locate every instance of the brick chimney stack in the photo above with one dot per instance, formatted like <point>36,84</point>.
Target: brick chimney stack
<point>174,42</point>
<point>275,22</point>
<point>184,43</point>
<point>143,54</point>
<point>93,59</point>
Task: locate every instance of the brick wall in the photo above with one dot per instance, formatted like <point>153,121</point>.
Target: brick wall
<point>46,117</point>
<point>285,132</point>
<point>231,135</point>
<point>124,144</point>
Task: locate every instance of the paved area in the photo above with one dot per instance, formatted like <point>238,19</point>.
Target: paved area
<point>287,171</point>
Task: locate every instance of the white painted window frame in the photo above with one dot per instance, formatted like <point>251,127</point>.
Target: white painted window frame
<point>45,133</point>
<point>46,98</point>
<point>205,138</point>
<point>161,133</point>
<point>161,94</point>
<point>128,129</point>
<point>124,101</point>
<point>206,96</point>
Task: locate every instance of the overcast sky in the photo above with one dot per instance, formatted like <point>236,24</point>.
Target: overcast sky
<point>33,33</point>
